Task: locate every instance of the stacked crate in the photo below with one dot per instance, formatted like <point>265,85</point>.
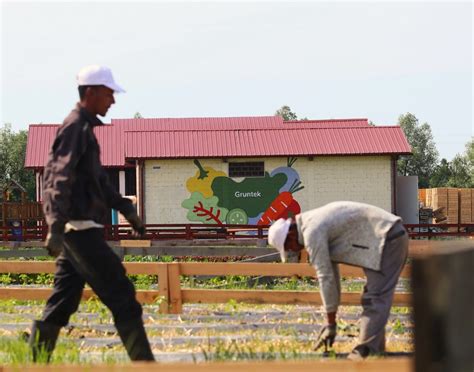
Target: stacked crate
<point>453,206</point>
<point>446,198</point>
<point>428,198</point>
<point>466,202</point>
<point>422,197</point>
<point>457,204</point>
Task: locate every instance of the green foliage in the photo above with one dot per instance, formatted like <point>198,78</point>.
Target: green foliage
<point>462,167</point>
<point>94,305</point>
<point>441,174</point>
<point>143,281</point>
<point>425,155</point>
<point>457,173</point>
<point>238,350</point>
<point>16,352</point>
<point>398,327</point>
<point>461,172</point>
<point>133,258</point>
<point>12,160</point>
<point>286,113</point>
<point>25,279</point>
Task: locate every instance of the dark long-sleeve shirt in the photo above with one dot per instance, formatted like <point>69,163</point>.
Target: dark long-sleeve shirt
<point>76,186</point>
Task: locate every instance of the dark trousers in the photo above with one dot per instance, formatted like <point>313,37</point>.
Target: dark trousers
<point>87,258</point>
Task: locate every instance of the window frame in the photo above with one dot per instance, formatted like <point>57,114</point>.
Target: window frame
<point>249,169</point>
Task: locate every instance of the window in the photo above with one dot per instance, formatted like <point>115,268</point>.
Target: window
<point>130,181</point>
<point>247,169</point>
<point>113,175</point>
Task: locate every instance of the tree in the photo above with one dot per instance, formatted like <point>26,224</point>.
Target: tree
<point>462,168</point>
<point>424,159</point>
<point>470,156</point>
<point>12,160</point>
<point>286,113</point>
<point>441,174</point>
<point>137,115</point>
<point>457,173</point>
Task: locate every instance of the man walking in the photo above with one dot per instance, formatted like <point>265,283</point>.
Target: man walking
<point>356,234</point>
<point>77,196</point>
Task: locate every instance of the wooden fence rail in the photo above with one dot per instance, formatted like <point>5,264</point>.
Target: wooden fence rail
<point>172,296</point>
<point>374,365</point>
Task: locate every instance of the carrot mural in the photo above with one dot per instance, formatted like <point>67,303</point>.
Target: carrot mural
<point>283,206</point>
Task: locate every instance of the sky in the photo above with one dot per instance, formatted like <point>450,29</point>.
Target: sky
<point>326,60</point>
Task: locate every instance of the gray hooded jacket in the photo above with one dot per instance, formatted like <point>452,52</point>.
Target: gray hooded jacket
<point>343,232</point>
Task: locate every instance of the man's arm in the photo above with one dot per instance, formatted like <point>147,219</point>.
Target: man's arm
<point>328,277</point>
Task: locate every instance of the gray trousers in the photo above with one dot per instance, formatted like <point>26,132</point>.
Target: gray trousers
<point>378,292</point>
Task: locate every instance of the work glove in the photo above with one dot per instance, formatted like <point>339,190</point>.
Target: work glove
<point>54,243</point>
<point>137,224</point>
<point>326,337</point>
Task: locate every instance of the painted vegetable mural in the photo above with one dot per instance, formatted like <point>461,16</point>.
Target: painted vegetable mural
<point>284,205</point>
<point>205,210</point>
<point>253,195</point>
<point>218,199</point>
<point>203,179</point>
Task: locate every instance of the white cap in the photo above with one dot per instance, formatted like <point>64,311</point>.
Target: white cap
<point>98,75</point>
<point>277,234</point>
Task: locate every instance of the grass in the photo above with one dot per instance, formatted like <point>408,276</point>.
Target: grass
<point>278,340</point>
<point>235,350</point>
<point>17,352</point>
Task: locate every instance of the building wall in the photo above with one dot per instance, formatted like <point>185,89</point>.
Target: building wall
<point>177,191</point>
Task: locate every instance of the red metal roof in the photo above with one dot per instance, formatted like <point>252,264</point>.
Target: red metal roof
<point>329,123</point>
<point>237,136</point>
<point>40,138</point>
<point>215,123</point>
<point>276,142</point>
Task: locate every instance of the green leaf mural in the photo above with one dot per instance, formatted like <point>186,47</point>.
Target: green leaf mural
<point>204,209</point>
<point>253,195</point>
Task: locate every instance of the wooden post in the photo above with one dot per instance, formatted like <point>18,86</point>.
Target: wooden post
<point>176,302</point>
<point>4,220</point>
<point>443,290</point>
<point>163,287</point>
<point>304,257</point>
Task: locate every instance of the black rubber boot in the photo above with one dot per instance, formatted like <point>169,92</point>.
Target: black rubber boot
<point>133,336</point>
<point>43,339</point>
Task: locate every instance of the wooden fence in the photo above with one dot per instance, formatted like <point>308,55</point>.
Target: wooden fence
<point>372,365</point>
<point>173,296</point>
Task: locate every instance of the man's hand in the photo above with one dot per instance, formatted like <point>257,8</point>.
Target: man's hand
<point>326,337</point>
<point>137,224</point>
<point>54,244</point>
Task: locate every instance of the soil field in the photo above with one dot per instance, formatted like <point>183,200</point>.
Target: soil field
<point>230,331</point>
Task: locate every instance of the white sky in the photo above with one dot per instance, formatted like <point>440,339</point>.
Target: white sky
<point>374,60</point>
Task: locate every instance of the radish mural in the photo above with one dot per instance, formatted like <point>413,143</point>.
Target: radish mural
<point>218,199</point>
